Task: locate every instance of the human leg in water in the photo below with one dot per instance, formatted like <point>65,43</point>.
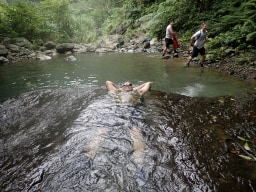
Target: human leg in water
<point>138,155</point>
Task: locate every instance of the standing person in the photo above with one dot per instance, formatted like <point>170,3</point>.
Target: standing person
<point>197,42</point>
<point>168,37</point>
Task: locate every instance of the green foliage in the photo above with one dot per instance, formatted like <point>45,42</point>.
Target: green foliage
<point>230,22</point>
<point>240,18</point>
<point>19,20</point>
<point>49,19</point>
<point>58,20</point>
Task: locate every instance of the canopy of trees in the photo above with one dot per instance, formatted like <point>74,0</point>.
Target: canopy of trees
<point>231,22</point>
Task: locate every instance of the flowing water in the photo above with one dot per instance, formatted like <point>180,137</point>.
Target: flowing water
<point>62,131</point>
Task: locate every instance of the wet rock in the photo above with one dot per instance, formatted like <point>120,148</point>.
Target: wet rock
<point>3,51</point>
<point>3,60</point>
<point>43,57</point>
<point>80,48</point>
<point>65,47</point>
<point>166,57</point>
<point>50,52</point>
<point>103,50</point>
<point>71,58</point>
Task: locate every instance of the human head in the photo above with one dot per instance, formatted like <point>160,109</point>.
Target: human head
<point>171,22</point>
<point>127,86</point>
<point>204,26</point>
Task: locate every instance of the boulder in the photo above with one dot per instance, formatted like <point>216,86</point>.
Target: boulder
<point>3,51</point>
<point>19,41</point>
<point>65,47</point>
<point>3,60</point>
<point>13,48</point>
<point>50,45</point>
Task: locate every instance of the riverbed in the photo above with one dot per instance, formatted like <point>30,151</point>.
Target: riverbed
<point>62,131</point>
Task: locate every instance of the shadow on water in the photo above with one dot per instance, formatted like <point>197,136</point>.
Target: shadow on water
<point>79,139</point>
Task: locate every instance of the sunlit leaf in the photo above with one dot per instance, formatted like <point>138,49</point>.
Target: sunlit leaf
<point>221,101</point>
<point>247,157</point>
<point>246,146</point>
<point>242,139</point>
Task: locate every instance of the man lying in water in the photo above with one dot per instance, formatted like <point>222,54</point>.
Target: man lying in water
<point>127,94</point>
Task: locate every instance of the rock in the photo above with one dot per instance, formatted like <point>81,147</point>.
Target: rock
<point>43,57</point>
<point>175,55</point>
<point>71,58</point>
<point>103,50</point>
<point>80,48</point>
<point>50,52</point>
<point>19,41</point>
<point>13,48</point>
<point>154,42</point>
<point>166,57</point>
<point>3,60</point>
<point>50,45</point>
<point>240,61</point>
<point>42,48</point>
<point>3,51</point>
<point>131,51</point>
<point>65,47</point>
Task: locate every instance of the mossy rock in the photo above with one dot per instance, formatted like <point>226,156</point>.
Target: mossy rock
<point>240,61</point>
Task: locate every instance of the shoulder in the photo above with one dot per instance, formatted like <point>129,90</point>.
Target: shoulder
<point>197,33</point>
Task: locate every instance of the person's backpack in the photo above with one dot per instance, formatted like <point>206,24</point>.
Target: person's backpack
<point>196,39</point>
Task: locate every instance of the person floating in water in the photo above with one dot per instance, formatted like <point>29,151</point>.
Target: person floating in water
<point>127,94</point>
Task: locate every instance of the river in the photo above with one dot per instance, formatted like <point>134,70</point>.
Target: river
<point>62,131</point>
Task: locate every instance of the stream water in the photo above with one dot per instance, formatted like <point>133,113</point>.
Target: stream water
<point>62,131</point>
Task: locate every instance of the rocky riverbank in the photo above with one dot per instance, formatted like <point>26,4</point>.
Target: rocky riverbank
<point>230,61</point>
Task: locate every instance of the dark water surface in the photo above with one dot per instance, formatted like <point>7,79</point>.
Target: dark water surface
<point>61,131</point>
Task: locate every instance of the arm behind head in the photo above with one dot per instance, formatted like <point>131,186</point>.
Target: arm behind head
<point>144,88</point>
<point>110,86</point>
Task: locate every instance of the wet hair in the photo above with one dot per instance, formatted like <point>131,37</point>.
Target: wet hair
<point>126,84</point>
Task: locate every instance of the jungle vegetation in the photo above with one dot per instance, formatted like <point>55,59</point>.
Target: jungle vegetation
<point>231,23</point>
